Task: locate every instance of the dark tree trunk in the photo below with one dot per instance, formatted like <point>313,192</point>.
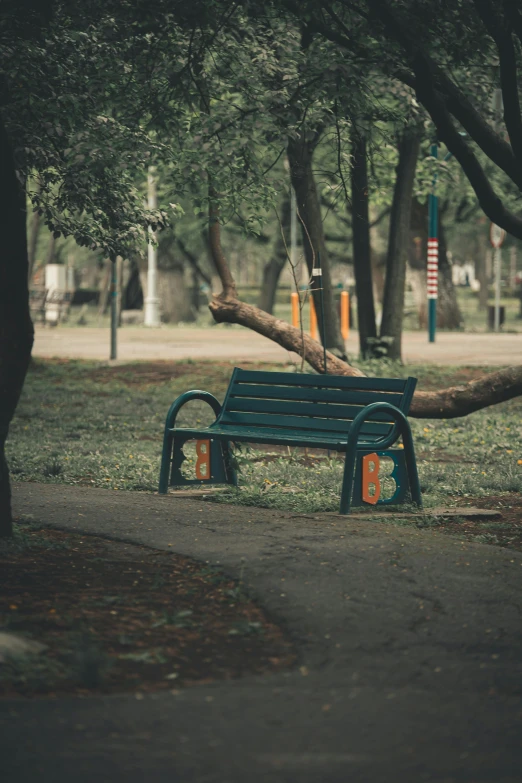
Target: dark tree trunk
<point>51,250</point>
<point>132,294</point>
<point>33,241</point>
<point>361,246</point>
<point>16,328</point>
<point>448,310</point>
<point>300,154</point>
<point>273,268</point>
<point>393,304</point>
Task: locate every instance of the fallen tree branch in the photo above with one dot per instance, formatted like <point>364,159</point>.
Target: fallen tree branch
<point>491,389</point>
<point>449,403</point>
<point>234,311</point>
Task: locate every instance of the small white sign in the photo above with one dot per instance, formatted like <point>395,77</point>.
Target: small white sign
<point>316,272</point>
<point>496,235</point>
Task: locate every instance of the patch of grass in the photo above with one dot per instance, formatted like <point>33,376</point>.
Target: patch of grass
<point>102,426</point>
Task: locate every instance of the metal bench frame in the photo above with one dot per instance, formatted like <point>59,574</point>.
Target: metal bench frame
<point>347,414</point>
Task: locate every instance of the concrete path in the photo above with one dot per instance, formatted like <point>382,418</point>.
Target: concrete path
<point>410,664</point>
<point>238,344</point>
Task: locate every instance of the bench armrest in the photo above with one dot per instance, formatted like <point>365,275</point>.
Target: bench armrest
<point>401,426</point>
<point>195,394</point>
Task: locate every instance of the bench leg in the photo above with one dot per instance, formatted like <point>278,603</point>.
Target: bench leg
<point>230,472</point>
<point>411,467</point>
<point>166,456</point>
<point>346,492</point>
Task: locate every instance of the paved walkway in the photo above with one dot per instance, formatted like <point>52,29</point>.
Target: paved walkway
<point>237,343</point>
<point>410,649</point>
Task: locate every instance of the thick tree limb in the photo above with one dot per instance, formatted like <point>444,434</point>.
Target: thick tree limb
<point>501,34</point>
<point>478,128</point>
<point>449,403</point>
<point>458,401</point>
<point>214,239</point>
<point>234,311</point>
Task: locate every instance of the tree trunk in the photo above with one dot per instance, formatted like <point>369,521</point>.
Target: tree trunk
<point>300,158</point>
<point>132,293</point>
<point>175,303</point>
<point>448,311</point>
<point>16,328</point>
<point>33,241</point>
<point>51,248</point>
<point>393,304</point>
<point>361,246</point>
<point>273,268</point>
<point>103,299</point>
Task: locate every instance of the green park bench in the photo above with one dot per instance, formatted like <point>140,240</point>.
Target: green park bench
<point>362,417</point>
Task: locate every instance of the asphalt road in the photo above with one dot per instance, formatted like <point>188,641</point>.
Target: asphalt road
<point>410,647</point>
<point>238,343</point>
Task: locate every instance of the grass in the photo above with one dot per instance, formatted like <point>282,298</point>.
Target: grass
<point>89,424</point>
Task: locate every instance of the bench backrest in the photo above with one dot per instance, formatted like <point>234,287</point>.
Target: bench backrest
<point>318,403</point>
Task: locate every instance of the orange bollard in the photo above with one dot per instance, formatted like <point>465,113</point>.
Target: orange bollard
<point>313,320</point>
<point>345,314</point>
<point>295,309</point>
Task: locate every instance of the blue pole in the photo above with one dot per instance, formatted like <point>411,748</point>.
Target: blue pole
<point>433,254</point>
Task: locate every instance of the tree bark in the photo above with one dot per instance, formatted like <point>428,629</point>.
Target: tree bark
<point>456,401</point>
<point>448,310</point>
<point>300,152</point>
<point>175,302</point>
<point>361,246</point>
<point>214,243</point>
<point>234,311</point>
<point>51,248</point>
<point>33,241</point>
<point>273,268</point>
<point>16,328</point>
<point>393,304</point>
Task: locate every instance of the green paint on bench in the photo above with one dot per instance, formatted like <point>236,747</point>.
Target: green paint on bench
<point>356,416</point>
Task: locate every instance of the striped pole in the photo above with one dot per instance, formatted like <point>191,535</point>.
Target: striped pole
<point>432,286</point>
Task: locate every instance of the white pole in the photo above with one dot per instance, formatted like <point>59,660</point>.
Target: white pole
<point>293,231</point>
<point>497,288</point>
<point>152,315</point>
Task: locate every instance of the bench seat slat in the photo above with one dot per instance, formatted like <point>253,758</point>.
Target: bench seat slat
<point>309,394</point>
<point>302,424</point>
<point>320,381</point>
<point>298,408</point>
<point>321,440</point>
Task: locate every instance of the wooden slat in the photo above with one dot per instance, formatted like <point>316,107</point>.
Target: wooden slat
<point>298,408</point>
<point>308,394</point>
<point>300,423</point>
<point>320,381</point>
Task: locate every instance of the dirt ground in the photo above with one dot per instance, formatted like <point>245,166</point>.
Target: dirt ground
<point>117,617</point>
